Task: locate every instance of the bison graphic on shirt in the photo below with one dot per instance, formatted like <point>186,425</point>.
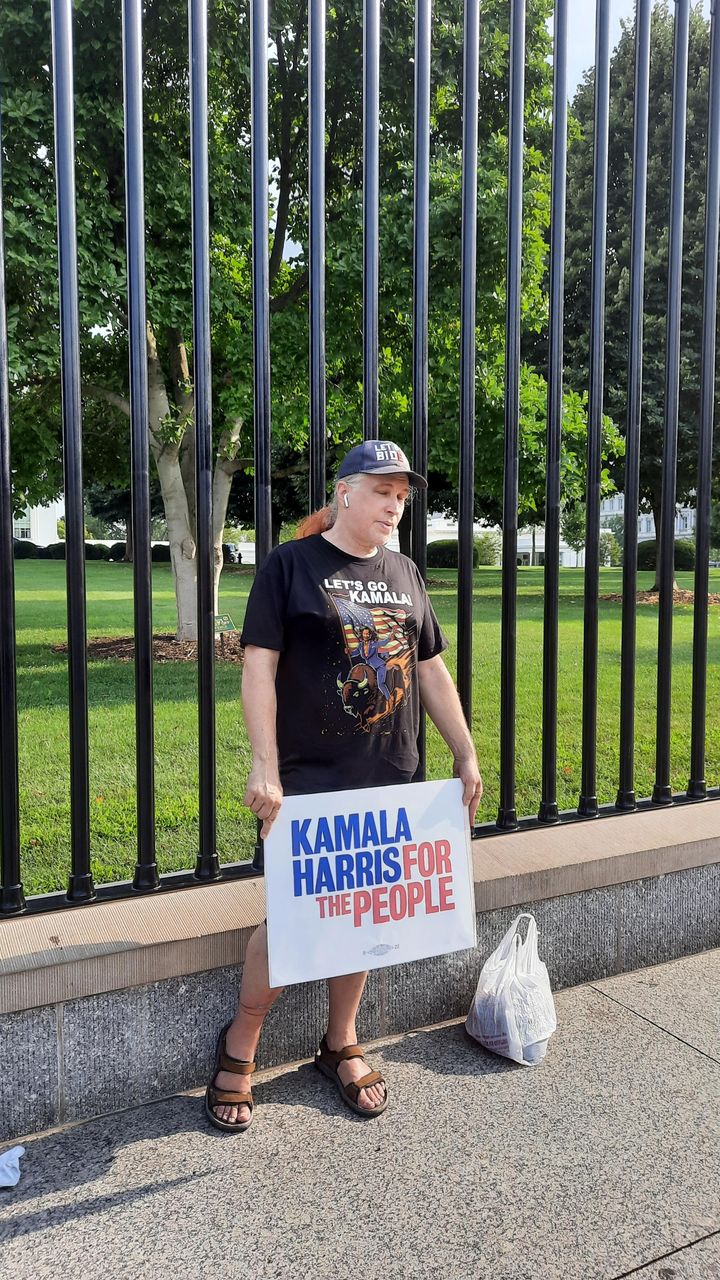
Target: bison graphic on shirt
<point>380,657</point>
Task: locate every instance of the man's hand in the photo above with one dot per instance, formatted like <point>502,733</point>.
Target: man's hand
<point>264,796</point>
<point>466,769</point>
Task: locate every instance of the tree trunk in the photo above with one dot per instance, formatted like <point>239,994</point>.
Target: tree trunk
<point>225,468</point>
<point>128,557</point>
<point>172,443</point>
<point>657,514</point>
<point>532,557</point>
<point>180,534</point>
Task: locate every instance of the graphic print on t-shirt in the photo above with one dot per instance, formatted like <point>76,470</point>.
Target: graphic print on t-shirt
<point>381,660</point>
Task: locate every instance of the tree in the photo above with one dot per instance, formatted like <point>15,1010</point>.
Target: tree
<point>489,547</point>
<point>616,525</point>
<point>579,224</point>
<point>572,526</point>
<point>32,266</point>
<point>610,549</point>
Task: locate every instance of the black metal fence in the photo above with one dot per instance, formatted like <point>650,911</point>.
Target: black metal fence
<point>147,879</point>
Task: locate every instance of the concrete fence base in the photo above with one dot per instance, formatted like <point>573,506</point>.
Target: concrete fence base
<point>116,1004</point>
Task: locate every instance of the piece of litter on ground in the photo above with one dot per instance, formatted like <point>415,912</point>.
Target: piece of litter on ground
<point>10,1166</point>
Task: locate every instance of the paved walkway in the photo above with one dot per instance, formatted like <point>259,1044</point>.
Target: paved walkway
<point>602,1162</point>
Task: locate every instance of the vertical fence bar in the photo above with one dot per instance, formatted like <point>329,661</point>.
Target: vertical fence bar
<point>260,275</point>
<point>316,93</point>
<point>421,272</point>
<point>697,786</point>
<point>207,867</point>
<point>80,887</point>
<point>548,805</point>
<point>466,480</point>
<point>261,297</point>
<point>662,790</point>
<point>371,213</point>
<point>588,805</point>
<point>421,267</point>
<point>507,817</point>
<point>146,874</point>
<point>12,898</point>
<point>626,789</point>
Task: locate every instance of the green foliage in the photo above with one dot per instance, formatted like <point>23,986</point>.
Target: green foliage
<point>288,530</point>
<point>96,551</point>
<point>117,551</point>
<point>488,547</point>
<point>88,535</point>
<point>616,525</point>
<point>236,533</point>
<point>443,554</point>
<point>160,553</point>
<point>619,222</point>
<point>610,549</point>
<point>572,525</point>
<point>32,260</point>
<point>684,554</point>
<point>23,549</point>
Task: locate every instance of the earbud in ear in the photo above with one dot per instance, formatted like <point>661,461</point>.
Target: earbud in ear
<point>345,500</point>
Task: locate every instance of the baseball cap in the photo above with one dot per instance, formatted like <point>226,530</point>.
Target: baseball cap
<point>380,458</point>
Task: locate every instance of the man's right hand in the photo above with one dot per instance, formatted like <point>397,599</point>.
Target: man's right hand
<point>263,796</point>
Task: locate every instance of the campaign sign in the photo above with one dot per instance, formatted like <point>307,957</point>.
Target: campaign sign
<point>361,879</point>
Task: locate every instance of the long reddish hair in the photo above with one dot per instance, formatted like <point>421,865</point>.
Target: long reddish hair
<point>316,522</point>
<point>324,519</point>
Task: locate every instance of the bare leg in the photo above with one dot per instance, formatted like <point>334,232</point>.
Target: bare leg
<point>345,994</point>
<point>256,998</point>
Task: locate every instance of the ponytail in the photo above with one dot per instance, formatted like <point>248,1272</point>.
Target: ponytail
<point>316,522</point>
<point>324,519</point>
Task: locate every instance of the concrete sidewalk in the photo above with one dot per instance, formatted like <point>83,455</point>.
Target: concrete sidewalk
<point>602,1162</point>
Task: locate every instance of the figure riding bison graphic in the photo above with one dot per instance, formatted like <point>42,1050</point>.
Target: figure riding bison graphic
<point>380,659</point>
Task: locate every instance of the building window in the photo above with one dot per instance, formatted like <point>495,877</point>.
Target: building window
<point>22,531</point>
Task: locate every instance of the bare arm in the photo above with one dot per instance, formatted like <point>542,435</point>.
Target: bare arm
<point>440,699</point>
<point>264,793</point>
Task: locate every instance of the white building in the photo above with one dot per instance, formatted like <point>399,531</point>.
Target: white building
<point>39,524</point>
<point>440,526</point>
<point>615,506</point>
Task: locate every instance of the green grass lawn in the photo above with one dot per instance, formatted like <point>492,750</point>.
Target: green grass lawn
<point>44,734</point>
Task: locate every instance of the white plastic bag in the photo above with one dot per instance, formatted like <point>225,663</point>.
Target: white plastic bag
<point>10,1166</point>
<point>513,1012</point>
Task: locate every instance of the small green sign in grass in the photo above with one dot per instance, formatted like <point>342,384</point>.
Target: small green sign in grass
<point>223,622</point>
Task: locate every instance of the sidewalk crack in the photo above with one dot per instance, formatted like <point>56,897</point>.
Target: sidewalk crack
<point>710,1057</point>
<point>651,1262</point>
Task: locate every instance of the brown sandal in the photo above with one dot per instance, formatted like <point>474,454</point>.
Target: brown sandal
<point>217,1097</point>
<point>327,1061</point>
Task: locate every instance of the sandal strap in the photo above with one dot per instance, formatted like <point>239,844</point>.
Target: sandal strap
<point>372,1077</point>
<point>229,1097</point>
<point>236,1066</point>
<point>354,1087</point>
<point>333,1056</point>
<point>350,1051</point>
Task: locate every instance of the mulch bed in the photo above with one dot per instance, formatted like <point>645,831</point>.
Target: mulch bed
<point>165,649</point>
<point>228,648</point>
<point>653,597</point>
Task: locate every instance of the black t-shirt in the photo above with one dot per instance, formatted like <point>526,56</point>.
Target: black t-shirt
<point>350,633</point>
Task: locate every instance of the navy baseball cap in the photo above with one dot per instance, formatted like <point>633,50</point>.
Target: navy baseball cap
<point>380,458</point>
